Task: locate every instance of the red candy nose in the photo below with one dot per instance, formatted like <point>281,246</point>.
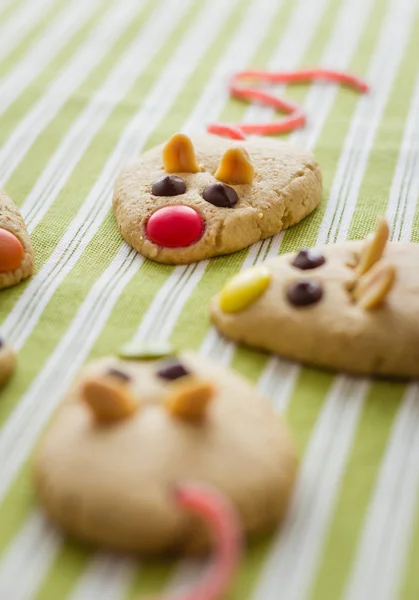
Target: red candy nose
<point>175,226</point>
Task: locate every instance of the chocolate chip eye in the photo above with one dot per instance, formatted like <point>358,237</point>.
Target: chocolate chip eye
<point>118,374</point>
<point>308,259</point>
<point>172,369</point>
<point>220,194</point>
<point>304,292</point>
<point>168,185</point>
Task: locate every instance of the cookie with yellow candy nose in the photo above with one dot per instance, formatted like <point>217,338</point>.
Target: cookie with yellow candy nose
<point>16,252</point>
<point>130,430</point>
<point>351,306</point>
<point>190,199</point>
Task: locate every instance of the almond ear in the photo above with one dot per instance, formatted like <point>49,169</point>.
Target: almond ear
<point>375,285</point>
<point>179,155</point>
<point>189,398</point>
<point>374,247</point>
<point>109,399</point>
<point>235,167</point>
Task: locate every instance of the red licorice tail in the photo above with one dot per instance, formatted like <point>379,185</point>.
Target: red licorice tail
<point>304,76</point>
<point>216,511</point>
<point>297,116</point>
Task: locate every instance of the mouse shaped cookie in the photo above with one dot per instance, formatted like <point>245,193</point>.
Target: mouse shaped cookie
<point>129,431</point>
<point>16,252</point>
<point>351,306</point>
<point>7,362</point>
<point>185,201</point>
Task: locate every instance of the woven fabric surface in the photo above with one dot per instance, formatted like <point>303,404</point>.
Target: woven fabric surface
<point>84,87</point>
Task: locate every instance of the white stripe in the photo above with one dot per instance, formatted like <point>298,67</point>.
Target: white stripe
<point>277,381</point>
<point>108,577</point>
<point>83,227</point>
<point>5,5</point>
<point>21,22</point>
<point>383,547</point>
<point>184,577</point>
<point>23,565</point>
<point>59,33</point>
<point>69,78</point>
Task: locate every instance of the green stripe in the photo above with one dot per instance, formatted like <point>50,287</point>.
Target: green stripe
<point>15,507</point>
<point>151,578</point>
<point>60,582</point>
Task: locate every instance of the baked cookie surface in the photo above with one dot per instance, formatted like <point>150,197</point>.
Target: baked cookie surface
<point>16,252</point>
<point>351,307</point>
<point>234,194</point>
<point>106,477</point>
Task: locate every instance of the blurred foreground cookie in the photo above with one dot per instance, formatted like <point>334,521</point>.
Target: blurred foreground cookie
<point>183,201</point>
<point>350,306</point>
<point>7,362</point>
<point>16,253</point>
<point>129,432</point>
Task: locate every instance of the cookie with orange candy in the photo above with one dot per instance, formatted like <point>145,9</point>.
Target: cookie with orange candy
<point>131,432</point>
<point>16,252</point>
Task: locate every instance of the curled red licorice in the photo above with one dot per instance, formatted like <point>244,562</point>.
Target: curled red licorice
<point>296,118</point>
<point>213,508</point>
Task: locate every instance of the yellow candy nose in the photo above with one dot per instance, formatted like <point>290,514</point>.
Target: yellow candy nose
<point>244,289</point>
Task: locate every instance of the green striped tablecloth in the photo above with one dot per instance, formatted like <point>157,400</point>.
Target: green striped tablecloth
<point>84,86</point>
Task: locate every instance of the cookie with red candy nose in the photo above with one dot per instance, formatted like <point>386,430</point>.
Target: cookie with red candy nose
<point>189,200</point>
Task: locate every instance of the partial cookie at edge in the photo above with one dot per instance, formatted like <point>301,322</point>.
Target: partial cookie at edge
<point>11,220</point>
<point>336,332</point>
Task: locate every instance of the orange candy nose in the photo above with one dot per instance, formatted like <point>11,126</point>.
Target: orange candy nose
<point>11,251</point>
